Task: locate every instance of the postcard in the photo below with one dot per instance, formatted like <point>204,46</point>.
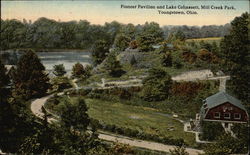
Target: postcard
<point>124,77</point>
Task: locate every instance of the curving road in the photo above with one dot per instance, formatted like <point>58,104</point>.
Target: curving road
<point>36,108</point>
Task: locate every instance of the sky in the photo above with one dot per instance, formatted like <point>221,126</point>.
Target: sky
<point>101,11</point>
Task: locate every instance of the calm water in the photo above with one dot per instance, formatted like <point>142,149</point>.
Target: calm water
<point>68,59</point>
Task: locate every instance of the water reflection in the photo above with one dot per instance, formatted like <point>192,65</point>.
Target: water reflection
<point>68,59</point>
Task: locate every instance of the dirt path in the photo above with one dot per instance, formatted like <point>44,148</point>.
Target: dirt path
<point>145,144</point>
<point>37,105</point>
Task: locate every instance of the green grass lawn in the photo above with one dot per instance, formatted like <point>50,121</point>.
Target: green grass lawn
<point>208,40</point>
<point>143,119</point>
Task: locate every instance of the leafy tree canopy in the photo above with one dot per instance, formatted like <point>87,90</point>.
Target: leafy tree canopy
<point>157,85</point>
<point>235,53</point>
<point>59,70</point>
<point>30,79</point>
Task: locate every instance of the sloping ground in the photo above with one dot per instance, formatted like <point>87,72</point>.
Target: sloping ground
<point>37,104</point>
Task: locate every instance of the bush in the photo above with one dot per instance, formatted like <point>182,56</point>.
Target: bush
<point>205,55</point>
<point>59,70</point>
<point>189,57</point>
<point>60,83</point>
<point>186,89</point>
<point>79,71</point>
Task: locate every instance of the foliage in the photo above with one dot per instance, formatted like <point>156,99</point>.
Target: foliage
<point>30,79</point>
<point>205,55</point>
<point>100,50</point>
<point>75,139</point>
<point>113,66</point>
<point>133,44</point>
<point>16,124</point>
<point>235,55</point>
<point>59,70</point>
<point>179,150</point>
<point>157,85</point>
<point>60,83</point>
<point>4,81</point>
<point>119,148</point>
<point>122,41</point>
<point>225,145</point>
<point>80,71</point>
<point>187,89</point>
<point>48,33</point>
<point>179,35</point>
<point>211,130</point>
<point>192,32</point>
<point>77,70</point>
<point>151,34</point>
<point>145,42</point>
<point>189,57</point>
<point>167,60</point>
<point>241,131</point>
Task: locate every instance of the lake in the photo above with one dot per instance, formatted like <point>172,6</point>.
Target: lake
<point>68,59</point>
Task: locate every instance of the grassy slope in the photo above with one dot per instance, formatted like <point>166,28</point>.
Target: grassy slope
<point>135,117</point>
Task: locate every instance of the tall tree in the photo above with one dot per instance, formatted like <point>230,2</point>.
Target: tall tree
<point>122,41</point>
<point>112,65</point>
<point>4,81</point>
<point>16,125</point>
<point>74,123</point>
<point>30,79</point>
<point>157,85</point>
<point>235,53</point>
<point>151,34</point>
<point>99,51</point>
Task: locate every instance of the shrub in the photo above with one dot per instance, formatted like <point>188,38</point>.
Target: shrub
<point>205,55</point>
<point>186,89</point>
<point>60,83</point>
<point>59,70</point>
<point>189,57</point>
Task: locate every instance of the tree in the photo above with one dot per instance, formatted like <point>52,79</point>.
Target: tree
<point>226,144</point>
<point>74,124</point>
<point>122,41</point>
<point>179,35</point>
<point>4,81</point>
<point>151,34</point>
<point>99,51</point>
<point>30,79</point>
<point>77,70</point>
<point>16,125</point>
<point>59,70</point>
<point>60,83</point>
<point>80,71</point>
<point>157,85</point>
<point>145,42</point>
<point>211,130</point>
<point>235,55</point>
<point>113,66</point>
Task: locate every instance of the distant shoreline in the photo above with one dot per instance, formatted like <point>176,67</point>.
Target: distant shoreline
<point>48,50</point>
